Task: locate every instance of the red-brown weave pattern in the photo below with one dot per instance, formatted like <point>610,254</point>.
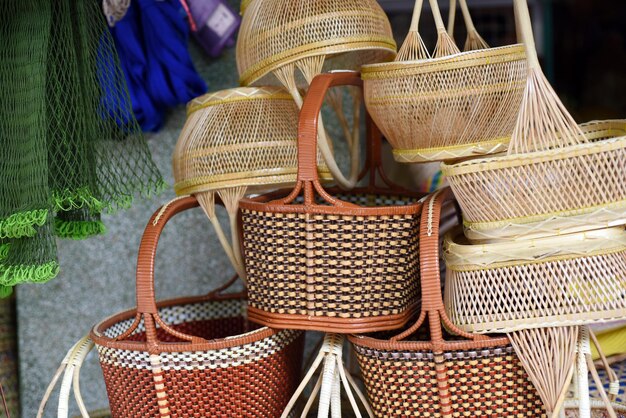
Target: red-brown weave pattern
<point>487,382</point>
<point>331,265</point>
<point>207,329</point>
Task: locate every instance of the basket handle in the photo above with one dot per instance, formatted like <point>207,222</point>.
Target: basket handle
<point>432,301</point>
<point>146,299</point>
<point>308,123</point>
<point>4,402</point>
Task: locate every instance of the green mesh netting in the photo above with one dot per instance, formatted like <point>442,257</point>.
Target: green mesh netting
<point>71,145</point>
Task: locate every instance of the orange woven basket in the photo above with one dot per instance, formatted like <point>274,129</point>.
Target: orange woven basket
<point>328,260</point>
<point>195,356</point>
<point>439,378</point>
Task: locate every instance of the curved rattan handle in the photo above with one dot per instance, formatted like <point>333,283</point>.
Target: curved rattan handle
<point>308,123</point>
<point>432,301</point>
<point>4,402</point>
<point>309,119</point>
<point>146,297</point>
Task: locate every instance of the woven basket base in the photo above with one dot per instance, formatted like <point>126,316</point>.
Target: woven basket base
<point>330,324</point>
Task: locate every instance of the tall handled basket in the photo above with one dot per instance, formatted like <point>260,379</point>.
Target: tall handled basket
<point>342,263</point>
<point>438,378</point>
<point>193,356</point>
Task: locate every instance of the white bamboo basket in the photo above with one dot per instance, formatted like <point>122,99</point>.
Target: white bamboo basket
<point>458,104</point>
<point>556,281</point>
<point>557,191</point>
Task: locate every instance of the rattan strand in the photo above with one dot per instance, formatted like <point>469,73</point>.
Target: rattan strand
<point>546,192</point>
<point>567,280</point>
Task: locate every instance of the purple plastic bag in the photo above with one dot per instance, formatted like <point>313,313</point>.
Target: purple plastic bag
<point>215,22</point>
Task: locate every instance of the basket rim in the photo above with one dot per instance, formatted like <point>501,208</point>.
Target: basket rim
<point>385,70</point>
<point>472,256</point>
<point>462,345</point>
<point>329,47</point>
<point>262,203</point>
<point>237,94</point>
<point>518,160</point>
<point>98,337</point>
<point>451,152</point>
<point>272,178</point>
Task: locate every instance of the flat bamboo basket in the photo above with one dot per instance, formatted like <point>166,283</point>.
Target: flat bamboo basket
<point>557,191</point>
<point>557,281</point>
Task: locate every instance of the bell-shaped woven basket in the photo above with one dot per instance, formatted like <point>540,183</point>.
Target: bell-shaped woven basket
<point>329,260</point>
<point>468,375</point>
<point>541,193</point>
<point>458,104</point>
<point>236,142</point>
<point>291,41</point>
<point>193,356</point>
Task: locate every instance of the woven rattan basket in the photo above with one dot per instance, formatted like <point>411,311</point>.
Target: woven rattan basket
<point>338,263</point>
<point>555,281</point>
<point>458,105</point>
<point>546,192</point>
<point>437,378</point>
<point>193,356</point>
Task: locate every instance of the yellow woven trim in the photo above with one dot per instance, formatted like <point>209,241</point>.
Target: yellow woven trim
<point>482,324</point>
<point>451,151</point>
<point>285,142</point>
<point>522,220</point>
<point>253,178</point>
<point>328,47</point>
<point>518,160</point>
<point>277,96</point>
<point>497,265</point>
<point>475,58</point>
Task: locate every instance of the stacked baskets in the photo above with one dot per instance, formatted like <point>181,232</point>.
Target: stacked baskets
<point>541,255</point>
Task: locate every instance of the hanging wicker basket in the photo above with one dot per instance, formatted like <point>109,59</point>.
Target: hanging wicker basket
<point>329,260</point>
<point>457,105</point>
<point>193,356</point>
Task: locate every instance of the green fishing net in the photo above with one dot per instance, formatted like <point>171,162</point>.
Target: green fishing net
<point>72,148</point>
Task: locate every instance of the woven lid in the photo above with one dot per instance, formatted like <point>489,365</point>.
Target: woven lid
<point>461,255</point>
<point>276,32</point>
<point>238,137</point>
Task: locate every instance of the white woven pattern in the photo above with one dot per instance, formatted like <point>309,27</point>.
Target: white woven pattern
<point>201,360</point>
<point>563,291</point>
<point>180,314</point>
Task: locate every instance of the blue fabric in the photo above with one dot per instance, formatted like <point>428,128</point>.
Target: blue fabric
<point>152,44</point>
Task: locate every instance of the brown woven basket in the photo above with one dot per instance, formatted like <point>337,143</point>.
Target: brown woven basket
<point>541,193</point>
<point>439,378</point>
<point>343,263</point>
<point>193,356</point>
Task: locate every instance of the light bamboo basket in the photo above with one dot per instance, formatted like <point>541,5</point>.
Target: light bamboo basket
<point>289,42</point>
<point>539,292</point>
<point>556,178</point>
<point>555,281</point>
<point>459,104</point>
<point>542,193</point>
<point>236,142</point>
